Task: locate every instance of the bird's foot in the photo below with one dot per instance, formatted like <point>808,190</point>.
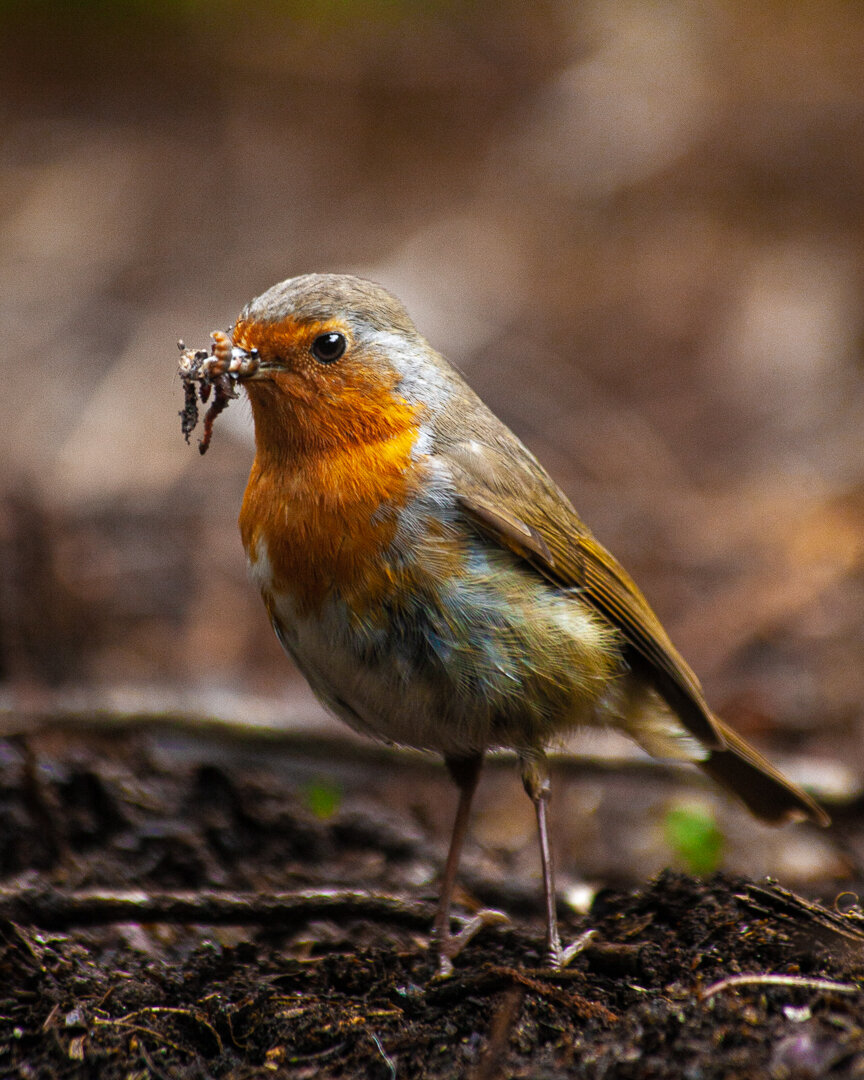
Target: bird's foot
<point>558,956</point>
<point>449,947</point>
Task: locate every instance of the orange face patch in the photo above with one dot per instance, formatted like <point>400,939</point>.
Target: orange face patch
<point>301,404</point>
<point>332,469</point>
<point>287,342</point>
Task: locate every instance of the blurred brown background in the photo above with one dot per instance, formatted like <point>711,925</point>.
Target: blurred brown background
<point>637,227</point>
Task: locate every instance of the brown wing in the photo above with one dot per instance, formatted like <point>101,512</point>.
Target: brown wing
<point>546,531</point>
<point>580,563</point>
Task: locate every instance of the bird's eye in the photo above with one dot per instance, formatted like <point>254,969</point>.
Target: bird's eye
<point>329,347</point>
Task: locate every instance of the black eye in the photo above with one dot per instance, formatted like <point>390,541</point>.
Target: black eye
<point>329,347</point>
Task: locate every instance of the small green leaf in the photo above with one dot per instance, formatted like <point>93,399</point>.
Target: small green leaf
<point>323,797</point>
<point>693,835</point>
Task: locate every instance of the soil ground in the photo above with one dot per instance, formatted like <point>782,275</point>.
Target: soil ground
<point>168,910</point>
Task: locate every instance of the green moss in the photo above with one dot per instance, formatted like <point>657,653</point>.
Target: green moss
<point>693,835</point>
<point>323,797</point>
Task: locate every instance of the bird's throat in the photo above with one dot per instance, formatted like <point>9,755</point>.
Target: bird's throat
<point>323,505</point>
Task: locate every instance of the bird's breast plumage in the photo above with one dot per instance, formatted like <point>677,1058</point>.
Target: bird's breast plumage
<point>327,520</point>
<point>409,624</point>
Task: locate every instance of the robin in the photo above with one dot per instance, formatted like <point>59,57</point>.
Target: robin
<point>430,580</point>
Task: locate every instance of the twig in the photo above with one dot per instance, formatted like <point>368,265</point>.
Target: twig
<point>166,1010</point>
<point>139,1029</point>
<point>588,1010</point>
<point>780,903</point>
<point>778,980</point>
<point>151,1064</point>
<point>503,1022</point>
<point>58,909</point>
<point>492,978</point>
<point>388,1061</point>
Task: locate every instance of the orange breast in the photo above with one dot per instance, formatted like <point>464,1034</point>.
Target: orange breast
<point>325,512</point>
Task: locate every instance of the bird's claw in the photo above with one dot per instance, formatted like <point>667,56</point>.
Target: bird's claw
<point>450,948</point>
<point>558,956</point>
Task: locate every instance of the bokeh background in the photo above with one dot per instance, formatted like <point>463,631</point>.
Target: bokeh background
<point>637,227</point>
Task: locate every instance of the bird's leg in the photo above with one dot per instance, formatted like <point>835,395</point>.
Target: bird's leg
<point>535,778</point>
<point>466,773</point>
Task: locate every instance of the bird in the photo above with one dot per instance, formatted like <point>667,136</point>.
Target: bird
<point>430,580</point>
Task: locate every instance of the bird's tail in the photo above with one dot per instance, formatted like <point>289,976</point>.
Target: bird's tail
<point>761,787</point>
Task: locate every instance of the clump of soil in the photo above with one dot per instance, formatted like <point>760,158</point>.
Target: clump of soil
<point>170,916</point>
